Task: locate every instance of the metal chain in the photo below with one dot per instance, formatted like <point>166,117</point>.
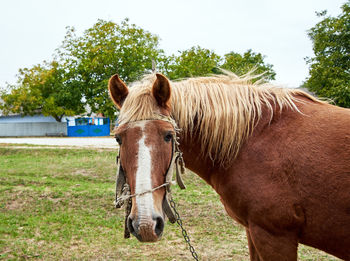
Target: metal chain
<point>184,232</point>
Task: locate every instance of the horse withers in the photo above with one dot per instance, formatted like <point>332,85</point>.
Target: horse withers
<point>278,158</point>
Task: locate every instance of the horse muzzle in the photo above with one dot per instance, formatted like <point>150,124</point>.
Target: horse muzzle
<point>146,229</point>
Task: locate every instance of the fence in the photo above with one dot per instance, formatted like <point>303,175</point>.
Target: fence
<point>33,129</point>
<point>88,127</point>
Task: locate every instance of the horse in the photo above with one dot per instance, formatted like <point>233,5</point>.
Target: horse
<point>278,158</point>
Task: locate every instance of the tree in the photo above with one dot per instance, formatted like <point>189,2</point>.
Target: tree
<point>103,50</point>
<point>83,64</point>
<point>43,89</point>
<point>198,61</point>
<point>81,70</point>
<point>248,62</point>
<point>195,61</point>
<point>330,68</point>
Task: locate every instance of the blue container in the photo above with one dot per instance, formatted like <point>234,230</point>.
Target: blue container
<point>88,127</point>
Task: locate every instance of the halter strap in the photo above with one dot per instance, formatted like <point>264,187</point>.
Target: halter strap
<point>123,188</point>
<point>159,117</point>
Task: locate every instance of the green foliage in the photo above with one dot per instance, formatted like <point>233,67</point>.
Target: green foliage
<point>103,50</point>
<point>43,89</point>
<point>329,69</point>
<point>198,61</point>
<point>79,75</point>
<point>248,62</point>
<point>83,64</point>
<point>195,61</point>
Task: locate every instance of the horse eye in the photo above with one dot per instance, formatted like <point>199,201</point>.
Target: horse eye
<point>168,137</point>
<point>118,139</point>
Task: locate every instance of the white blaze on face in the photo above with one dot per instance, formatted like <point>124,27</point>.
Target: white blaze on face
<point>143,179</point>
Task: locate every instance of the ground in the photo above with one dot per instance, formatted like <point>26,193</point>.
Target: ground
<point>57,204</point>
<point>86,142</point>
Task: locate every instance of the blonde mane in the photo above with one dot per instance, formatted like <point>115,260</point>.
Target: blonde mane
<point>223,110</point>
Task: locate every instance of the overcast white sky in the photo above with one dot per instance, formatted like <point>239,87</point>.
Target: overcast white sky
<point>30,30</point>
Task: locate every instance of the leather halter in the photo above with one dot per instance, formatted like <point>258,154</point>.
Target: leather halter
<point>123,188</point>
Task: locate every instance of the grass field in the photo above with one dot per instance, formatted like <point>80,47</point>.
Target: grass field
<point>57,204</point>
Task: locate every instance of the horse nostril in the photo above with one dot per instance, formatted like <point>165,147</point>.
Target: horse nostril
<point>147,231</point>
<point>159,225</point>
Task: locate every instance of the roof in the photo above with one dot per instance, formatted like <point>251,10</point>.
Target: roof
<point>20,118</point>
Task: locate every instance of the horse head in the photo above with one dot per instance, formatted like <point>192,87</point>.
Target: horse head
<point>147,148</point>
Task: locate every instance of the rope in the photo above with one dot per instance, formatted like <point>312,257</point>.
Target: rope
<point>123,198</point>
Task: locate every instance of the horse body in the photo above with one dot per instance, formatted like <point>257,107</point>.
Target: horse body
<point>275,188</point>
<point>283,173</point>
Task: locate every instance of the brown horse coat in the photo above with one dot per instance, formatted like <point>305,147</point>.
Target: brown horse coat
<point>289,184</point>
<point>286,171</point>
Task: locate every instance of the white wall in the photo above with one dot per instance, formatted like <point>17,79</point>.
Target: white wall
<point>33,129</point>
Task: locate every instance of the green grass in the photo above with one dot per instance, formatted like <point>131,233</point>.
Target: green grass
<point>58,204</point>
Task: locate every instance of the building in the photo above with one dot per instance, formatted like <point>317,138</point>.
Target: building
<point>36,125</point>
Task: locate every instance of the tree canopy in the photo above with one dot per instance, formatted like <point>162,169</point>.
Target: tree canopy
<point>330,68</point>
<point>79,74</point>
<point>103,50</point>
<point>82,65</point>
<point>195,61</point>
<point>198,61</point>
<point>248,62</point>
<point>43,89</point>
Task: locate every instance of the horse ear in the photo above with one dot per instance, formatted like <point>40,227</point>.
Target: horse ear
<point>117,90</point>
<point>161,90</point>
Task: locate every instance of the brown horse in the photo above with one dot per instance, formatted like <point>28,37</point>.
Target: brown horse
<point>278,158</point>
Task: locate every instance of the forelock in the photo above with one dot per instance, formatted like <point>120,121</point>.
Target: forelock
<point>140,103</point>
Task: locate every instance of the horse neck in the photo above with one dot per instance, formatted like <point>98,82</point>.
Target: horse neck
<point>201,164</point>
<point>194,159</point>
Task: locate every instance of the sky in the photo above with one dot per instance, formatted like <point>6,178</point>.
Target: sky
<point>31,30</point>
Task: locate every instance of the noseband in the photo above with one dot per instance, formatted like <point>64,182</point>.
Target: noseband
<point>123,192</point>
